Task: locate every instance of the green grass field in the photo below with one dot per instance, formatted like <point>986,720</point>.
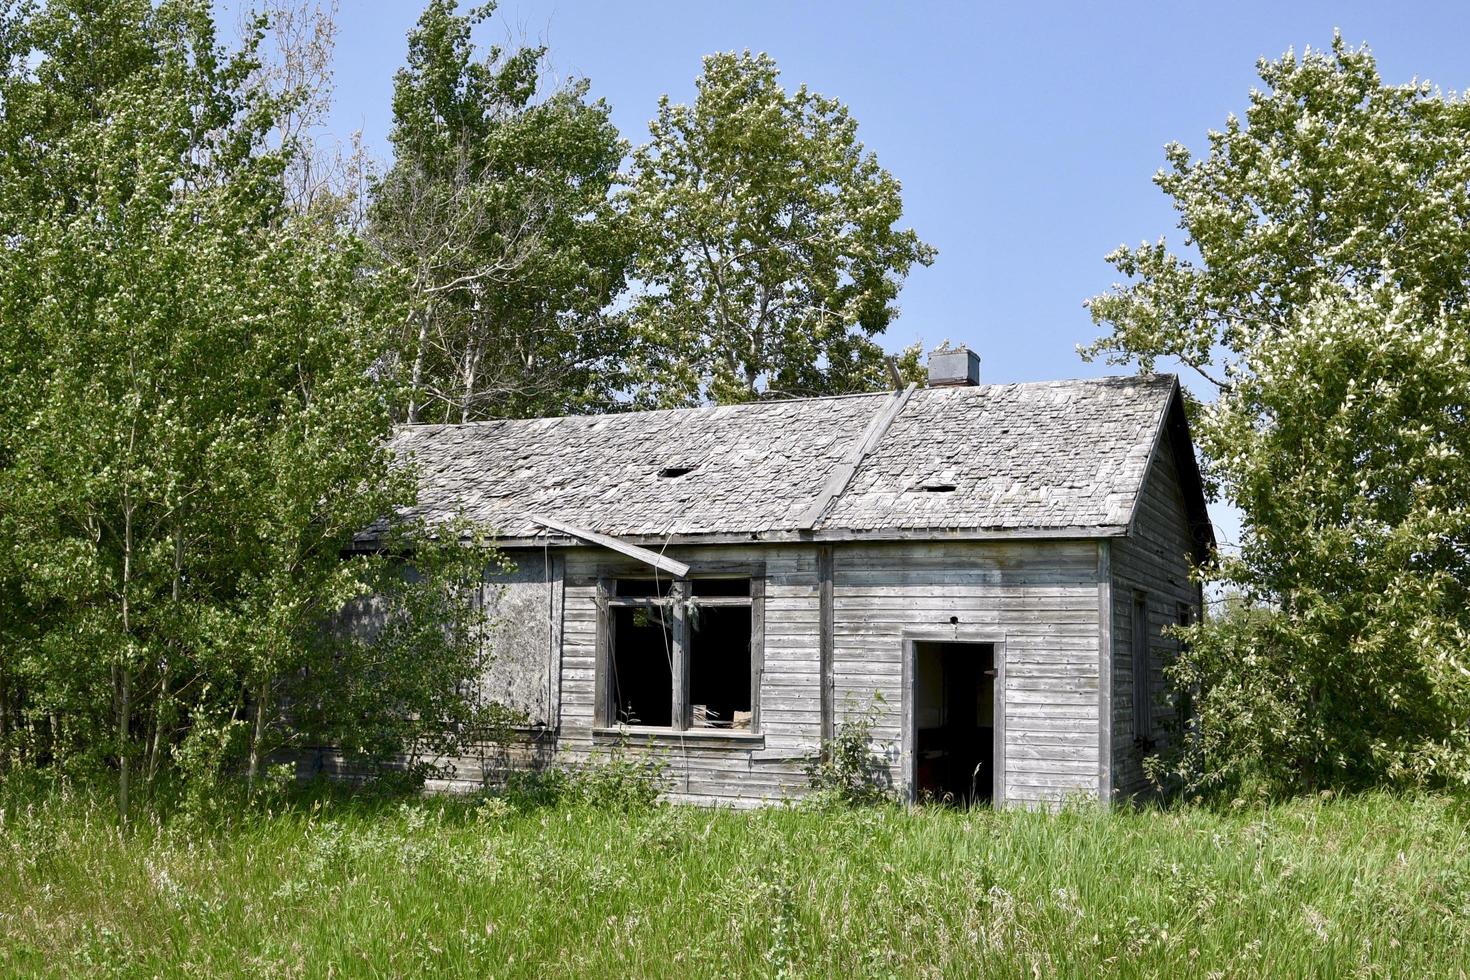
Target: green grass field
<point>1363,886</point>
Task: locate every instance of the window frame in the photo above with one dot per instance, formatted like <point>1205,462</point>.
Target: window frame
<point>679,598</point>
<point>1142,663</point>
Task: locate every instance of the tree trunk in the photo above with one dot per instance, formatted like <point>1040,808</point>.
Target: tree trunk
<point>257,734</point>
<point>161,714</point>
<point>122,678</point>
<point>124,672</point>
<point>415,407</point>
<point>160,720</point>
<point>471,374</point>
<point>4,726</point>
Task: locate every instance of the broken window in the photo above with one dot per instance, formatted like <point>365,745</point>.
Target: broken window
<point>719,666</point>
<point>682,654</point>
<point>642,665</point>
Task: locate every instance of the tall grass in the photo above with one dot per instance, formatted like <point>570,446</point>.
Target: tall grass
<point>1373,885</point>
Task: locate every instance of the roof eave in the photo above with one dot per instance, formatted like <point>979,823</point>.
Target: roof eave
<point>823,536</point>
<point>1173,422</point>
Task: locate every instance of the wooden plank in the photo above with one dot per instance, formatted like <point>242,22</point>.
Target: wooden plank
<point>825,637</point>
<point>679,668</point>
<point>999,791</point>
<point>603,656</point>
<point>842,476</point>
<point>757,648</point>
<point>662,562</point>
<point>555,662</point>
<point>1105,672</point>
<point>908,759</point>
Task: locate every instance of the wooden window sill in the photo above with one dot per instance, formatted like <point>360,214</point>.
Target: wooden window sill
<point>668,736</point>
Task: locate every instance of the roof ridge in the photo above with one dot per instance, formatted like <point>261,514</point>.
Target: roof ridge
<point>764,402</point>
<point>760,402</point>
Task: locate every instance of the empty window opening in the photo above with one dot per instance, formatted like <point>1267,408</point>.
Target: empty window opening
<point>938,488</point>
<point>705,627</point>
<point>954,722</point>
<point>669,472</point>
<point>719,667</point>
<point>642,669</point>
<point>720,587</point>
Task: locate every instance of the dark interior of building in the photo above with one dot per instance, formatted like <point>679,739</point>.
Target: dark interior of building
<point>719,667</point>
<point>642,675</point>
<point>954,720</point>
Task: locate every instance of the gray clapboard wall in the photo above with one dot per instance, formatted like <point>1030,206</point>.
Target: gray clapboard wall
<point>1041,602</point>
<point>1036,600</point>
<point>1151,560</point>
<point>710,766</point>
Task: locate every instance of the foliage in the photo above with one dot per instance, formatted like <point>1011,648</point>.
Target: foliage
<point>325,176</point>
<point>191,429</point>
<point>619,781</point>
<point>849,770</point>
<point>1374,885</point>
<point>768,252</point>
<point>495,219</point>
<point>1328,308</point>
<point>396,688</point>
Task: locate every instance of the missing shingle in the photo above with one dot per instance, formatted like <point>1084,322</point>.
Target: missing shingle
<point>941,482</point>
<point>670,472</point>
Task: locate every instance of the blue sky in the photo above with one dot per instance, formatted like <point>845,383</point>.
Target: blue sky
<point>1025,134</point>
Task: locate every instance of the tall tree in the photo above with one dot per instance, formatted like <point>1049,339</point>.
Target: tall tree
<point>192,428</point>
<point>325,174</point>
<point>496,216</point>
<point>1328,308</point>
<point>768,252</point>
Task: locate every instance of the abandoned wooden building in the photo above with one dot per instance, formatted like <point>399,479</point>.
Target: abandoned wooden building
<point>994,566</point>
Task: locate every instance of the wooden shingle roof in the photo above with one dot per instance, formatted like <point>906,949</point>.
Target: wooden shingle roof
<point>1055,458</point>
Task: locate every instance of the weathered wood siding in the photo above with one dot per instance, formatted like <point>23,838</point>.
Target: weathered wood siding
<point>1036,600</point>
<point>1152,560</point>
<point>524,608</point>
<point>702,766</point>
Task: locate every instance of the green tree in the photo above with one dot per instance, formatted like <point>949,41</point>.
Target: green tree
<point>193,430</point>
<point>1328,308</point>
<point>495,215</point>
<point>768,252</point>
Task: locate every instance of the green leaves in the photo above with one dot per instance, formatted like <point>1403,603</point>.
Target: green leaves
<point>768,254</point>
<point>194,426</point>
<point>1329,307</point>
<point>495,224</point>
<point>199,372</point>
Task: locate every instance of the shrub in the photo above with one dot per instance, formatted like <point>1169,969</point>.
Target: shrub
<point>849,771</point>
<point>618,781</point>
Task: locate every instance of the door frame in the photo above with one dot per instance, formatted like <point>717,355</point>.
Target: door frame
<point>909,760</point>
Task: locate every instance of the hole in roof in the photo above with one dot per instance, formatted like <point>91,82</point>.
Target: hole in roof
<point>938,488</point>
<point>669,472</point>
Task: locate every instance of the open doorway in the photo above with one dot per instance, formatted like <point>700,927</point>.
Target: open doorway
<point>954,722</point>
